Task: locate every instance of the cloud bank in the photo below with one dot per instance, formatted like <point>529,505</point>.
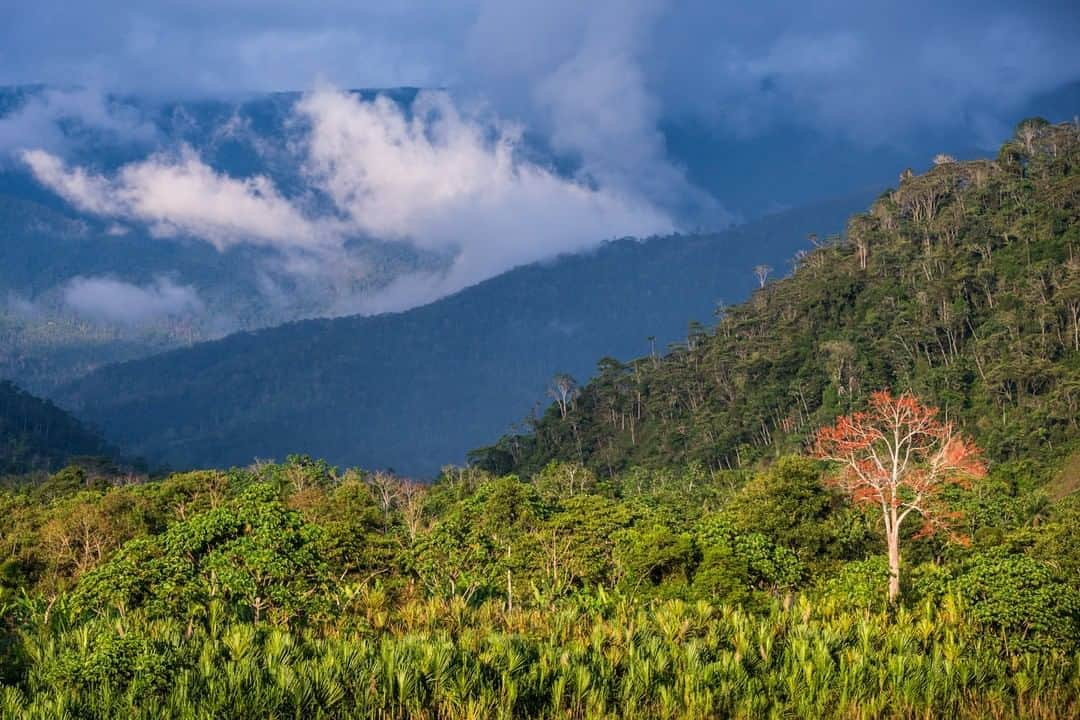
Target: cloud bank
<point>55,119</point>
<point>115,301</point>
<point>596,82</point>
<point>181,195</point>
<point>450,183</point>
<point>874,70</point>
<point>431,175</point>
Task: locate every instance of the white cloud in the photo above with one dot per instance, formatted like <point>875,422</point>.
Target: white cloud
<point>115,301</point>
<point>580,72</point>
<point>183,195</point>
<point>430,175</point>
<point>446,181</point>
<point>55,118</point>
<point>449,182</point>
<point>189,195</point>
<point>82,189</point>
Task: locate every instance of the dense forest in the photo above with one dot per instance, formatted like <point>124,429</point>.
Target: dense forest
<point>37,436</point>
<point>718,531</point>
<point>295,590</point>
<point>962,285</point>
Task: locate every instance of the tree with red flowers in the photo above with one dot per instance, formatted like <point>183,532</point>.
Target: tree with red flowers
<point>898,456</point>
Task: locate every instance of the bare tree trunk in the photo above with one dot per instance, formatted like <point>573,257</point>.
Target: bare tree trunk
<point>894,565</point>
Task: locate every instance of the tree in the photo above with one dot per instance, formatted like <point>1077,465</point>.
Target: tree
<point>1023,600</point>
<point>263,559</point>
<point>899,457</point>
<point>564,479</point>
<point>858,233</point>
<point>1028,131</point>
<point>789,505</point>
<point>386,489</point>
<point>735,564</point>
<point>413,511</point>
<point>563,390</point>
<point>761,272</point>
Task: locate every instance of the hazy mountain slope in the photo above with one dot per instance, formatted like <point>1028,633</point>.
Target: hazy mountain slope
<point>417,389</point>
<point>37,435</point>
<point>963,284</point>
<point>46,243</point>
<point>45,341</point>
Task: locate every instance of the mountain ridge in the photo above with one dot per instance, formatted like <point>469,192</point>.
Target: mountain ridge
<point>544,318</point>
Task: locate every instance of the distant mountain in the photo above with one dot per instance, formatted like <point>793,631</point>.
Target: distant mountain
<point>45,243</point>
<point>416,390</point>
<point>35,435</point>
<point>46,339</point>
<point>45,342</point>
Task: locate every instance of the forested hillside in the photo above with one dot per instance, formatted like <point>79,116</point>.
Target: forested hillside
<point>35,435</point>
<point>653,557</point>
<point>961,284</point>
<point>418,389</point>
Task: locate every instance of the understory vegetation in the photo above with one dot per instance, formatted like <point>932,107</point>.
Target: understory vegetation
<point>294,590</point>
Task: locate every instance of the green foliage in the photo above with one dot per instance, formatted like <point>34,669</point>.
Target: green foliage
<point>1056,542</point>
<point>296,590</point>
<point>961,285</point>
<point>612,657</point>
<point>35,435</point>
<point>253,552</point>
<point>652,554</point>
<point>858,585</point>
<point>734,565</point>
<point>788,503</point>
<point>578,544</point>
<point>1021,599</point>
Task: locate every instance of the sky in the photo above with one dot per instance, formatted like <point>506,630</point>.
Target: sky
<point>592,71</point>
<point>595,79</point>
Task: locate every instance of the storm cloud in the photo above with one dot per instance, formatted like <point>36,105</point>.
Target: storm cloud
<point>868,68</point>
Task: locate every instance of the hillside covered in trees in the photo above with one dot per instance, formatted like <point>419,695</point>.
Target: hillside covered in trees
<point>962,285</point>
<point>749,526</point>
<point>35,435</point>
